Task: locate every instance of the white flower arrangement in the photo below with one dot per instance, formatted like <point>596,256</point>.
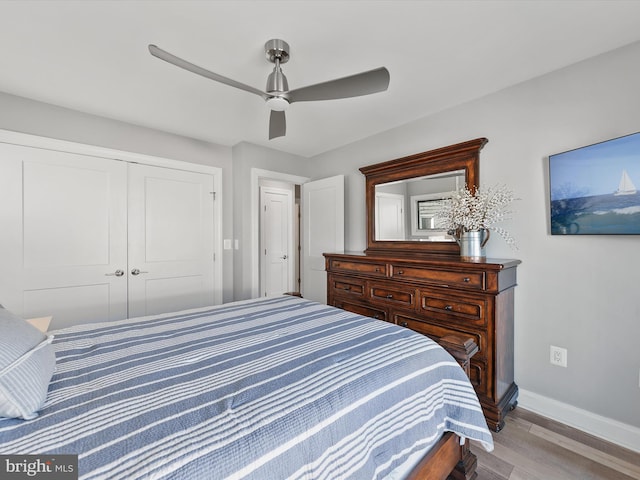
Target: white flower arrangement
<point>473,211</point>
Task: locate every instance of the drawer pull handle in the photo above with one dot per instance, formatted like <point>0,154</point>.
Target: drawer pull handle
<point>404,324</point>
<point>376,316</point>
<point>389,295</point>
<point>377,269</point>
<point>448,308</point>
<point>337,265</point>
<point>466,279</point>
<point>347,288</point>
<point>400,272</point>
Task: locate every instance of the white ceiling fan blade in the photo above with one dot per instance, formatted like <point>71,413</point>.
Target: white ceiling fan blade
<point>277,124</point>
<point>364,83</point>
<point>179,62</point>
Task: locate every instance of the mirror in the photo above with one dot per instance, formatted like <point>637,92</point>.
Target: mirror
<point>406,209</point>
<point>402,197</point>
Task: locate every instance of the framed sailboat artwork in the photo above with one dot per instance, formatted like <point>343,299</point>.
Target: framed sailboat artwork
<point>594,189</point>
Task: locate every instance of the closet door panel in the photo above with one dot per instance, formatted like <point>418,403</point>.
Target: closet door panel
<point>75,304</point>
<point>173,293</point>
<point>172,220</point>
<point>170,240</point>
<point>67,207</point>
<point>72,215</point>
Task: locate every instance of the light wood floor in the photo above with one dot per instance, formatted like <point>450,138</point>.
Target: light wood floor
<point>531,447</point>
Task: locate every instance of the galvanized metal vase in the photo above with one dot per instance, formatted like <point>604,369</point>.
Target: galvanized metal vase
<point>472,244</point>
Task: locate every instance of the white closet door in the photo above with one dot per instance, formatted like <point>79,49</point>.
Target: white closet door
<point>72,214</point>
<point>171,240</point>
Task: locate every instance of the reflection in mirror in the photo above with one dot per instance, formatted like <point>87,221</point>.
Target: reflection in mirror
<point>405,209</point>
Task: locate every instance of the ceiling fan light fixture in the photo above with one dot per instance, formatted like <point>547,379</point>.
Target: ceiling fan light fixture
<point>279,104</point>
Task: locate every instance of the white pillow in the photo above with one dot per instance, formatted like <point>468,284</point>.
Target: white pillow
<point>27,362</point>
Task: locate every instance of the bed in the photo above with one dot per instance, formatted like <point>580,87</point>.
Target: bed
<point>271,388</point>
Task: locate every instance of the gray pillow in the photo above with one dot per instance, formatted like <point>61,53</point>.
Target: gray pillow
<point>27,362</point>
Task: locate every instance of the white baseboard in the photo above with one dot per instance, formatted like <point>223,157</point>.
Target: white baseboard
<point>613,431</point>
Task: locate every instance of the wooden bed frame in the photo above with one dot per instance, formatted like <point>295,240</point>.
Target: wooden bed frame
<point>448,458</point>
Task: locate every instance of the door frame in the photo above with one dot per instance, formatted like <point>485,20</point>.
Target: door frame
<point>28,140</point>
<point>256,175</point>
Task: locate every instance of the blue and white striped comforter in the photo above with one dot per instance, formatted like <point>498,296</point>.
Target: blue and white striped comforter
<point>263,389</point>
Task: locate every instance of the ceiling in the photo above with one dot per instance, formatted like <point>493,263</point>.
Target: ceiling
<point>92,56</point>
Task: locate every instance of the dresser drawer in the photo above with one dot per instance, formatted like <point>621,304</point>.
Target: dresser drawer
<point>442,278</point>
<point>393,295</point>
<point>367,311</point>
<point>459,310</point>
<point>435,332</point>
<point>347,286</point>
<point>378,269</point>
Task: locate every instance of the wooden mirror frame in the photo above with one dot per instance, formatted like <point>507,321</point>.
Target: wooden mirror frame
<point>461,156</point>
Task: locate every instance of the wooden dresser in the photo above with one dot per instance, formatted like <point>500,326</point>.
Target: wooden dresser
<point>438,296</point>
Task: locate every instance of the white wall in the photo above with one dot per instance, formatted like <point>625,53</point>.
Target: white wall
<point>581,292</point>
<point>29,116</point>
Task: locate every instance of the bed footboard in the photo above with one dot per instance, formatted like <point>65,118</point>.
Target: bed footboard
<point>447,460</point>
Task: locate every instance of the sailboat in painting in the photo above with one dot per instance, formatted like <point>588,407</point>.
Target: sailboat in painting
<point>626,186</point>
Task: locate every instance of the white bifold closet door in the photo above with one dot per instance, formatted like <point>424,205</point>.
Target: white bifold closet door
<point>92,239</point>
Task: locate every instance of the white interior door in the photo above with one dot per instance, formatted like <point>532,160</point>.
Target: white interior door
<point>71,211</point>
<point>390,216</point>
<point>276,231</point>
<point>171,240</point>
<point>322,232</point>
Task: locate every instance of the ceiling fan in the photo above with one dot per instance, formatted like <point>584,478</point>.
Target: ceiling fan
<point>277,93</point>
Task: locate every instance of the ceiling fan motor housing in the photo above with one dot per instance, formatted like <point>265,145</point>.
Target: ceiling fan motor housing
<point>277,49</point>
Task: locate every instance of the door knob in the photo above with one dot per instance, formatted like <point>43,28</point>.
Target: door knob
<point>284,257</point>
<point>117,273</point>
<point>137,271</point>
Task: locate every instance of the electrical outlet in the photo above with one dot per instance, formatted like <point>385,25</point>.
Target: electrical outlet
<point>558,356</point>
